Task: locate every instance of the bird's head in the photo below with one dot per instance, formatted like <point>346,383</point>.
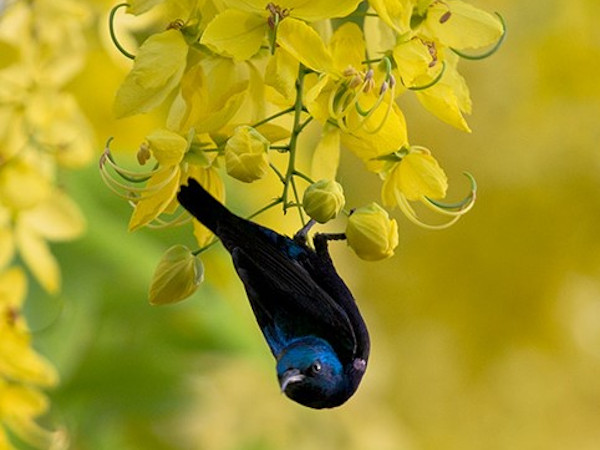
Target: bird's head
<point>311,374</point>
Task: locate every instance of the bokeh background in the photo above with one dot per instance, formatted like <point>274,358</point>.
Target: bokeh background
<point>485,336</point>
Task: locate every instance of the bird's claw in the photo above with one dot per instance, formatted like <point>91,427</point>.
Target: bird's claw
<point>300,236</point>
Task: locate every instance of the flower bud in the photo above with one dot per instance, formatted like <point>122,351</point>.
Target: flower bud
<point>323,200</point>
<point>178,275</point>
<point>246,154</point>
<point>371,233</point>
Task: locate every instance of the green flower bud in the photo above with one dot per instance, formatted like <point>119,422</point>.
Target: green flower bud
<point>246,154</point>
<point>323,200</point>
<point>178,275</point>
<point>371,233</point>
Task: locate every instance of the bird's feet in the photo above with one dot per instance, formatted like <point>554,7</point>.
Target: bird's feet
<point>300,236</point>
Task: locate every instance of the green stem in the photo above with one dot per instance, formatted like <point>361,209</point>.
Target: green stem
<point>279,147</point>
<point>277,172</point>
<point>297,128</point>
<point>273,117</point>
<point>303,176</point>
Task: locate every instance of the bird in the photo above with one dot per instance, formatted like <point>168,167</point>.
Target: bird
<point>306,313</point>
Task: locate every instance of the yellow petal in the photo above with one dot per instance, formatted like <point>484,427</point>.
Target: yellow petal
<point>465,27</point>
<point>273,133</point>
<point>391,137</point>
<point>56,219</point>
<point>318,91</point>
<point>157,69</point>
<point>413,61</point>
<point>22,185</point>
<point>36,254</point>
<point>281,73</point>
<point>20,362</point>
<point>7,247</point>
<point>310,10</point>
<point>419,175</point>
<point>161,190</point>
<point>13,286</point>
<point>395,13</point>
<point>137,7</point>
<point>304,44</point>
<point>214,90</point>
<point>448,99</point>
<point>235,33</point>
<point>167,147</point>
<point>347,47</point>
<point>326,157</point>
<point>22,402</point>
<point>313,10</point>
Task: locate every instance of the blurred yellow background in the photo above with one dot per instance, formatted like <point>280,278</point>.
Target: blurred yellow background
<point>484,336</point>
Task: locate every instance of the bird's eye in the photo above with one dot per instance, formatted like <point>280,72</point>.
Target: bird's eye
<point>316,367</point>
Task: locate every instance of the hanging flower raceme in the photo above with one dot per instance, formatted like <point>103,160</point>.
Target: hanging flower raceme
<point>248,77</point>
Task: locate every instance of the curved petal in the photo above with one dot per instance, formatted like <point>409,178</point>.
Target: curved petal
<point>465,26</point>
<point>35,252</point>
<point>304,44</point>
<point>234,33</point>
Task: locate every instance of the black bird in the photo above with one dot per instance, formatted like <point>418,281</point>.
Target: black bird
<point>303,308</point>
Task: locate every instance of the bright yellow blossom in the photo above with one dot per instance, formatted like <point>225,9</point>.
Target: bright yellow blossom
<point>22,371</point>
<point>240,32</point>
<point>360,102</point>
<point>417,176</point>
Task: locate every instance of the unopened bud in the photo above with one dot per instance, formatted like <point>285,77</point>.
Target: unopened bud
<point>371,233</point>
<point>178,275</point>
<point>246,155</point>
<point>323,200</point>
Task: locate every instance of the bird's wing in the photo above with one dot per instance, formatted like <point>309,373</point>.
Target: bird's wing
<point>288,303</point>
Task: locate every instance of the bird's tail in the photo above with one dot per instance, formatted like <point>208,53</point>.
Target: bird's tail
<point>202,205</point>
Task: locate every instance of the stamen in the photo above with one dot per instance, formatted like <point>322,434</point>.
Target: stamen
<point>491,51</point>
<point>432,82</point>
<point>113,35</point>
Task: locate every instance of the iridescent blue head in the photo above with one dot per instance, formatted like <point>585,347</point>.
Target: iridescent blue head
<point>311,374</point>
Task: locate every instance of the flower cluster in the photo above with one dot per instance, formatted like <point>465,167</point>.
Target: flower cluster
<point>41,130</point>
<point>245,78</point>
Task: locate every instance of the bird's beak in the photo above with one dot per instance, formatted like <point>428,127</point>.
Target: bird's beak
<point>290,376</point>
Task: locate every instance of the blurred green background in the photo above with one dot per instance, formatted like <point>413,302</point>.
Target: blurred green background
<point>485,336</point>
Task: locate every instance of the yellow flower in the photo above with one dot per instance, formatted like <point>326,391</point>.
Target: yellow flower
<point>246,154</point>
<point>323,200</point>
<point>358,99</point>
<point>22,370</point>
<point>178,275</point>
<point>239,32</point>
<point>41,212</point>
<point>431,36</point>
<point>417,176</point>
<point>371,233</point>
<point>178,159</point>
